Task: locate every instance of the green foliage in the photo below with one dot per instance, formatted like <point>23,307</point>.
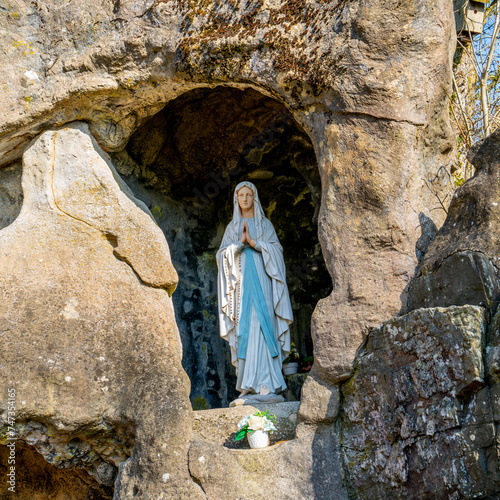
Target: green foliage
<point>241,433</point>
<point>293,356</point>
<point>272,418</point>
<point>200,403</point>
<point>458,178</point>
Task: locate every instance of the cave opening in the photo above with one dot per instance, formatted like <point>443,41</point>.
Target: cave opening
<point>184,163</point>
<point>35,478</point>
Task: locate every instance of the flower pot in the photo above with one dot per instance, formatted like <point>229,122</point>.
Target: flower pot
<point>290,368</point>
<point>258,439</point>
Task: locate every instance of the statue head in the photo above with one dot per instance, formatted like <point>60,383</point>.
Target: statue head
<point>245,199</point>
<point>255,210</point>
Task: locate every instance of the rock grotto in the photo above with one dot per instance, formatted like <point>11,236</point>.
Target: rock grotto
<point>126,124</point>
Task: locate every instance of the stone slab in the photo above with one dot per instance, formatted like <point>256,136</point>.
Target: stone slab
<point>220,425</point>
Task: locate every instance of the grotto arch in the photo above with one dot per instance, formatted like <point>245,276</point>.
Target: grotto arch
<point>184,163</point>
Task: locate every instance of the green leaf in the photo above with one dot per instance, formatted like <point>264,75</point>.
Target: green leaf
<point>240,434</point>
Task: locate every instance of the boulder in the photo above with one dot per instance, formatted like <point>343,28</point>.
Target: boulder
<point>305,467</point>
<point>461,265</point>
<point>418,417</point>
<point>91,353</point>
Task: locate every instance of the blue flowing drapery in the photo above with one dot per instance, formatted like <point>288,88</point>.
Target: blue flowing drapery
<point>253,297</point>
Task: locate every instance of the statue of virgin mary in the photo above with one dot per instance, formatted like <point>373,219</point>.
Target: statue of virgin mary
<point>254,305</point>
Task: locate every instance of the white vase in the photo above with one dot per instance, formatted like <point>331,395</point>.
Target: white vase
<point>258,439</point>
<point>291,368</point>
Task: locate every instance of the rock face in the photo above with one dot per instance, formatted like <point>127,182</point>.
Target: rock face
<point>421,413</point>
<point>365,80</point>
<point>461,265</point>
<point>418,418</point>
<point>11,194</point>
<point>92,345</point>
<point>307,467</point>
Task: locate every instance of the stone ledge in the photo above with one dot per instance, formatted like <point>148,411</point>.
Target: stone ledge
<point>219,426</point>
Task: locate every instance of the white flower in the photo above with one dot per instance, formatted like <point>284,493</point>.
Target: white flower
<point>256,423</point>
<point>243,422</point>
<point>269,426</point>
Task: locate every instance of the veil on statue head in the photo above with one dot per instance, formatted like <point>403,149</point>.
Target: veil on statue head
<point>257,207</point>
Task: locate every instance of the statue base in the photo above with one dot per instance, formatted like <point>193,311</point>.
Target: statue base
<point>251,399</point>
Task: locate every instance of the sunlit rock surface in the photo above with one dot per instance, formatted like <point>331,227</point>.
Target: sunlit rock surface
<point>421,412</point>
<point>90,348</point>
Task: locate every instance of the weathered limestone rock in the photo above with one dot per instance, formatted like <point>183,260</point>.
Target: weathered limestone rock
<point>463,277</point>
<point>306,467</point>
<point>37,478</point>
<point>418,419</point>
<point>320,402</point>
<point>92,351</point>
<point>461,264</point>
<point>493,350</point>
<point>367,82</point>
<point>420,416</point>
<point>226,469</point>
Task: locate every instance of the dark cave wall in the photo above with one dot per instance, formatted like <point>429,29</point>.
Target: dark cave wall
<point>36,479</point>
<point>11,194</point>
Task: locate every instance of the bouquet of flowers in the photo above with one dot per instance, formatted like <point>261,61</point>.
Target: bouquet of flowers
<point>307,364</point>
<point>260,421</point>
<point>293,356</point>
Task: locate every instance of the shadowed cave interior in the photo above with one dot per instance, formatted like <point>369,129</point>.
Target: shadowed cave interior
<point>184,164</point>
<point>37,479</point>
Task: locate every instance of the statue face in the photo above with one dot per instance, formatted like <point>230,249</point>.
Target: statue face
<point>245,198</point>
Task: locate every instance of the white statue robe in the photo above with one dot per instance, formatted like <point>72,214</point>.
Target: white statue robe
<point>260,367</point>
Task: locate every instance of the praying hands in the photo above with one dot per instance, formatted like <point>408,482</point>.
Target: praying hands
<point>245,235</point>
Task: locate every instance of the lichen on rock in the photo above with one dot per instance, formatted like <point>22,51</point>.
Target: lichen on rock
<point>417,414</point>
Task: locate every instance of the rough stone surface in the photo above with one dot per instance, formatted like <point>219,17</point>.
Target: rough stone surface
<point>38,479</point>
<point>312,459</point>
<point>493,350</point>
<point>320,403</point>
<point>366,80</point>
<point>365,236</point>
<point>461,265</point>
<point>416,422</point>
<point>294,384</point>
<point>418,419</point>
<point>464,277</point>
<point>11,194</point>
<point>92,352</point>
